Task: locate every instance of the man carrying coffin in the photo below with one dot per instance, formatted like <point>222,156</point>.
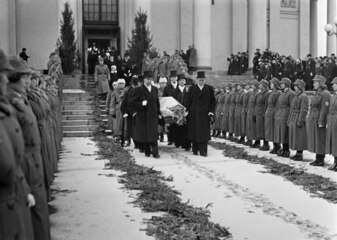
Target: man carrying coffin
<point>144,104</point>
<point>200,106</point>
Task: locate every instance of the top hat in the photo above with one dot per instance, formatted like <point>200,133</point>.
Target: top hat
<point>201,74</point>
<point>181,76</point>
<point>4,63</point>
<point>300,83</point>
<point>148,74</point>
<point>173,73</point>
<point>319,78</point>
<point>286,81</point>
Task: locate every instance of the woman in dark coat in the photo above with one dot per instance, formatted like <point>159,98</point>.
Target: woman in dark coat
<point>144,103</point>
<point>281,134</point>
<point>200,106</point>
<point>296,121</point>
<point>269,119</point>
<point>317,119</point>
<point>331,132</point>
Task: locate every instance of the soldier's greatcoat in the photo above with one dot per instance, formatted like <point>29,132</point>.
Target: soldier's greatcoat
<point>225,110</point>
<point>260,110</point>
<point>296,122</point>
<point>318,115</point>
<point>231,113</point>
<point>218,116</point>
<point>146,118</point>
<point>251,118</point>
<point>244,113</point>
<point>281,134</point>
<point>199,104</point>
<point>269,118</point>
<point>331,132</point>
<point>237,113</point>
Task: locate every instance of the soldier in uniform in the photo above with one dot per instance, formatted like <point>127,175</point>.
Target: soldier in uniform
<point>260,110</point>
<point>237,113</point>
<point>281,135</point>
<point>144,104</point>
<point>218,117</point>
<point>296,120</point>
<point>200,106</point>
<point>168,92</point>
<point>33,165</point>
<point>331,134</point>
<point>243,118</point>
<point>251,118</point>
<point>317,119</point>
<point>225,110</point>
<point>269,119</point>
<point>231,114</point>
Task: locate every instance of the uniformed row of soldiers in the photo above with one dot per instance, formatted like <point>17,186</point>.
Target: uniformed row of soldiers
<point>270,111</point>
<point>30,135</point>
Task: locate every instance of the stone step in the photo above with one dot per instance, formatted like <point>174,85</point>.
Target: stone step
<point>76,94</point>
<point>77,117</point>
<point>65,103</point>
<point>76,112</point>
<point>73,99</point>
<point>77,133</point>
<point>80,128</point>
<point>77,122</point>
<point>76,107</point>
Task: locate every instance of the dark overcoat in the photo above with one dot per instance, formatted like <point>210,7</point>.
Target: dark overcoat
<point>22,189</point>
<point>251,118</point>
<point>33,165</point>
<point>146,118</point>
<point>269,118</point>
<point>296,122</point>
<point>260,110</point>
<point>168,90</point>
<point>281,130</point>
<point>318,115</point>
<point>199,104</point>
<point>331,131</point>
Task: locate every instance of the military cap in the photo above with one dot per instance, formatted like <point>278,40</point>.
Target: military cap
<point>264,83</point>
<point>255,83</point>
<point>181,76</point>
<point>201,74</point>
<point>286,81</point>
<point>19,66</point>
<point>148,74</point>
<point>300,83</point>
<point>4,63</point>
<point>162,80</point>
<point>319,78</point>
<point>334,80</point>
<point>173,73</point>
<point>275,81</point>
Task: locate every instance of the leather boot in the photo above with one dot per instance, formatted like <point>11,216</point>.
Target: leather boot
<point>319,160</point>
<point>275,149</point>
<point>247,143</point>
<point>297,157</point>
<point>334,165</point>
<point>285,153</point>
<point>256,144</point>
<point>265,147</point>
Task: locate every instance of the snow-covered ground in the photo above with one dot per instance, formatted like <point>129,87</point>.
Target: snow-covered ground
<point>89,205</point>
<point>73,91</point>
<point>254,205</point>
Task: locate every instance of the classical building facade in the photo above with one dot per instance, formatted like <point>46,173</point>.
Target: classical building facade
<point>217,28</point>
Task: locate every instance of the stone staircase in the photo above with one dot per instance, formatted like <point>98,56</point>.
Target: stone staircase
<point>77,110</point>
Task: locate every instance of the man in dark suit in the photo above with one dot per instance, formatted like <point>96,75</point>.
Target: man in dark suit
<point>168,92</point>
<point>200,106</point>
<point>144,104</point>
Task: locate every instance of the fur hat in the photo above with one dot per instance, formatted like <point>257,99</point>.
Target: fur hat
<point>264,83</point>
<point>300,83</point>
<point>4,63</point>
<point>19,66</point>
<point>255,83</point>
<point>276,82</point>
<point>286,81</point>
<point>319,78</point>
<point>334,80</point>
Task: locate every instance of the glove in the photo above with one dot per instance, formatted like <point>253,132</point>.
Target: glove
<point>144,103</point>
<point>125,115</point>
<point>300,124</point>
<point>30,200</point>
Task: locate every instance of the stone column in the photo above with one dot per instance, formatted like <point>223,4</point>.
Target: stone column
<point>239,26</point>
<point>202,33</point>
<point>331,40</point>
<point>257,26</point>
<point>4,26</point>
<point>313,28</point>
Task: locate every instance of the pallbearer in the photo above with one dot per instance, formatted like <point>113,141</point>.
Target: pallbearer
<point>296,121</point>
<point>317,119</point>
<point>269,119</point>
<point>331,134</point>
<point>281,117</point>
<point>200,107</point>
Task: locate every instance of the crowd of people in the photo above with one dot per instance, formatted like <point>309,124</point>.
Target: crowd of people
<point>30,136</point>
<point>268,64</point>
<point>255,113</point>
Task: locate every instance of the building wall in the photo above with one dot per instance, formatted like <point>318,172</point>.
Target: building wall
<point>37,29</point>
<point>4,26</point>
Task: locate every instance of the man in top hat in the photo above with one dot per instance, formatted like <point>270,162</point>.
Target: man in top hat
<point>200,106</point>
<point>168,92</point>
<point>281,117</point>
<point>144,106</point>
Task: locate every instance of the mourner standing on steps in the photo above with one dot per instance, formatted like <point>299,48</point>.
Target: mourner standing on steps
<point>317,119</point>
<point>168,92</point>
<point>102,78</point>
<point>331,133</point>
<point>144,104</point>
<point>200,106</point>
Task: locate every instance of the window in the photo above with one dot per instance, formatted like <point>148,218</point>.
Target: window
<point>100,11</point>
